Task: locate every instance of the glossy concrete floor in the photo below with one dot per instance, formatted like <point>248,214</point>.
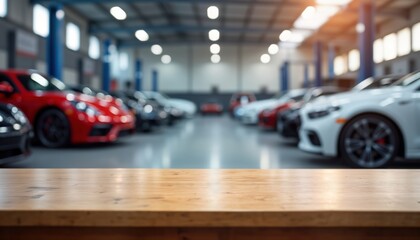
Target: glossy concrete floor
<point>202,142</point>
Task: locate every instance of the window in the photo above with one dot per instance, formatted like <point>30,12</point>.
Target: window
<point>390,46</point>
<point>354,60</point>
<point>416,37</point>
<point>72,36</point>
<point>3,8</point>
<point>123,61</point>
<point>404,42</point>
<point>94,47</point>
<point>378,51</point>
<point>40,19</point>
<point>340,65</point>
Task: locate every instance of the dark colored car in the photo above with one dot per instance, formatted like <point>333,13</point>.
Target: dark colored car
<point>59,116</point>
<point>211,107</point>
<point>239,99</point>
<point>149,115</point>
<point>289,122</point>
<point>174,114</point>
<point>15,133</point>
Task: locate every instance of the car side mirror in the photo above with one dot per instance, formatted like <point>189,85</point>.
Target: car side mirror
<point>6,89</point>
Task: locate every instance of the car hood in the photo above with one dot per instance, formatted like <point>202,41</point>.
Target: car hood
<point>102,105</point>
<point>260,105</point>
<point>184,105</point>
<point>351,97</point>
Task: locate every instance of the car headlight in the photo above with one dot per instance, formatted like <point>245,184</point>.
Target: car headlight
<point>19,116</point>
<point>148,108</point>
<point>323,112</point>
<point>83,107</point>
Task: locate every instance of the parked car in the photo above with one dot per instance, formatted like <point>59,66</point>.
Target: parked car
<point>240,99</point>
<point>15,132</point>
<point>251,111</point>
<point>288,121</point>
<point>211,107</point>
<point>148,113</point>
<point>188,108</point>
<point>368,129</point>
<point>60,117</point>
<point>174,113</point>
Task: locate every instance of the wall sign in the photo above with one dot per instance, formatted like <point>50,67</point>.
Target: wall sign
<point>26,44</point>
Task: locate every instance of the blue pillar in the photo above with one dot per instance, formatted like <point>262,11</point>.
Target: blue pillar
<point>285,77</point>
<point>318,63</point>
<point>306,75</point>
<point>54,47</point>
<point>155,80</point>
<point>331,57</point>
<point>139,75</point>
<point>106,65</point>
<point>366,39</point>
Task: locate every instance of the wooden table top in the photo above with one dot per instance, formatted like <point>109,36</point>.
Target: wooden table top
<point>223,198</point>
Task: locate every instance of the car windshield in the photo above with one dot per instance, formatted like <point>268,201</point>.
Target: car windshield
<point>408,80</point>
<point>372,83</point>
<point>38,82</point>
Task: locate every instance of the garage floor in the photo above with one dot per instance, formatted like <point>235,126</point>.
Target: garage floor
<point>202,142</point>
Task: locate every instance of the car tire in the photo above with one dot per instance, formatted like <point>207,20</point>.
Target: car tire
<point>53,129</point>
<point>369,141</point>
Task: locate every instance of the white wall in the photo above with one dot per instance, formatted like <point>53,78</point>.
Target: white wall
<point>240,68</point>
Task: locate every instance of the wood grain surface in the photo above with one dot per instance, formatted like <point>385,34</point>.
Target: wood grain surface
<point>209,198</point>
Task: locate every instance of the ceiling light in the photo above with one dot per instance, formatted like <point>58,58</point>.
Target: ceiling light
<point>215,58</point>
<point>333,2</point>
<point>214,35</point>
<point>215,48</point>
<point>213,12</point>
<point>166,59</point>
<point>360,28</point>
<point>118,13</point>
<point>285,35</point>
<point>156,49</point>
<point>265,58</point>
<point>273,49</point>
<point>308,12</point>
<point>60,14</point>
<point>142,35</point>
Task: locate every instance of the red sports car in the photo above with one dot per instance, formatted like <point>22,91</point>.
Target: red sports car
<point>211,107</point>
<point>60,117</point>
<point>239,99</point>
<point>267,119</point>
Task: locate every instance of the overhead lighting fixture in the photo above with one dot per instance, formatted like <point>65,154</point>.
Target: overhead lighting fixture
<point>213,12</point>
<point>118,13</point>
<point>156,49</point>
<point>166,59</point>
<point>360,28</point>
<point>265,58</point>
<point>333,2</point>
<point>214,35</point>
<point>215,58</point>
<point>142,35</point>
<point>285,35</point>
<point>309,12</point>
<point>273,49</point>
<point>215,48</point>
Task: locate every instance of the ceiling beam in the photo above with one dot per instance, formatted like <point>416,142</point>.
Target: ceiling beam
<point>180,28</point>
<point>138,44</point>
<point>72,2</point>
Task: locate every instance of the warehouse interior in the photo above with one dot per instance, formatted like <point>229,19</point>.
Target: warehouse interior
<point>209,119</point>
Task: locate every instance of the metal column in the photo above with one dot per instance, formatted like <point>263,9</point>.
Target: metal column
<point>285,76</point>
<point>139,75</point>
<point>54,43</point>
<point>331,57</point>
<point>366,40</point>
<point>154,80</point>
<point>106,66</point>
<point>306,75</point>
<point>318,63</point>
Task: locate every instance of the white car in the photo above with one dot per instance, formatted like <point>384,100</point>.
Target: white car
<point>368,129</point>
<point>249,113</point>
<point>188,107</point>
